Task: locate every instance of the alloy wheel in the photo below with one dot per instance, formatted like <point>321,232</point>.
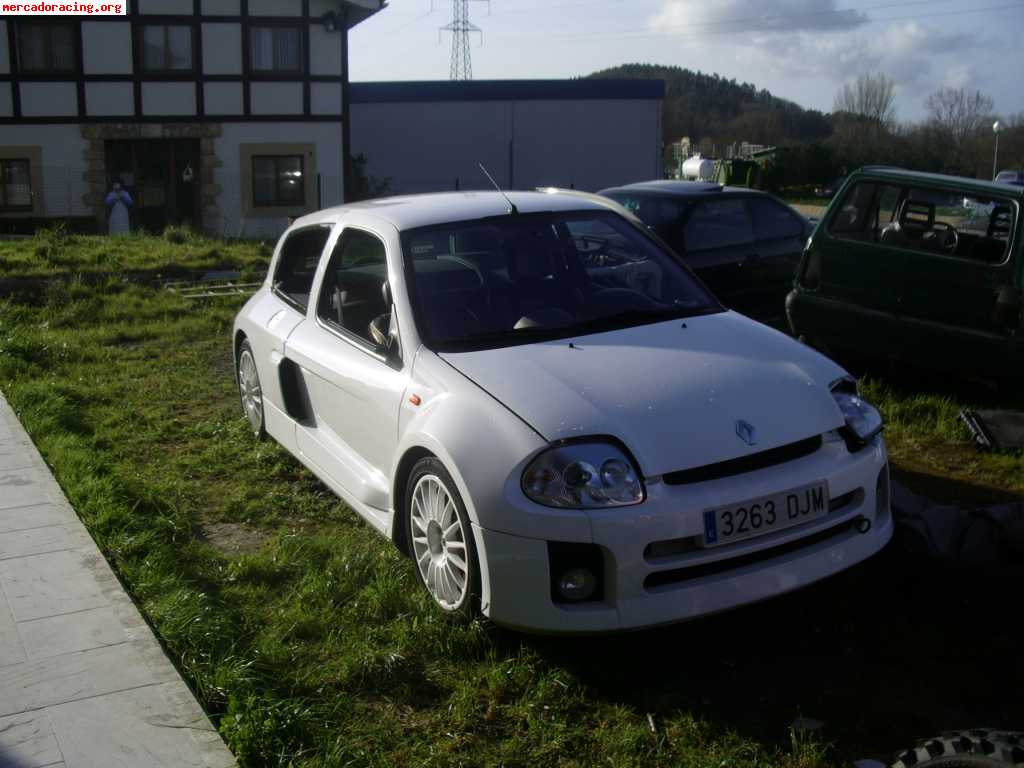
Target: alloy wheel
<point>439,542</point>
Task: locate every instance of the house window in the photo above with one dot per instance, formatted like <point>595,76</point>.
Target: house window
<point>46,48</point>
<point>275,49</point>
<point>278,180</point>
<point>167,47</point>
<point>15,185</point>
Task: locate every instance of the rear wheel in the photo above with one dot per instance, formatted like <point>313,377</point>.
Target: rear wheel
<point>249,390</point>
<point>441,540</point>
<point>977,748</point>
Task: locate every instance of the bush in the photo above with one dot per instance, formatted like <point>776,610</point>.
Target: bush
<point>179,235</point>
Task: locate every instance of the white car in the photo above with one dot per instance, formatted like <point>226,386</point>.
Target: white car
<point>560,445</point>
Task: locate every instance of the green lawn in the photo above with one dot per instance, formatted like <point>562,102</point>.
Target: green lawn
<point>309,641</point>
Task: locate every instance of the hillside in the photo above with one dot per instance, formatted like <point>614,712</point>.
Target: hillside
<point>709,106</point>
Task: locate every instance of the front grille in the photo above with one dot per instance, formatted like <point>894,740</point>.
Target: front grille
<point>677,575</point>
<point>754,461</point>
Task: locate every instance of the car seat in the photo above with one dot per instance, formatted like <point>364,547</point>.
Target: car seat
<point>536,285</point>
<point>914,219</point>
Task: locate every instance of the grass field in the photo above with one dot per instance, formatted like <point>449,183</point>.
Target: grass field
<point>310,643</point>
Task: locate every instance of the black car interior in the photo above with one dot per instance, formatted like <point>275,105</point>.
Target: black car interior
<point>927,220</point>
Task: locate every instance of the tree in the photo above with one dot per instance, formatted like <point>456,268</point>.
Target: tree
<point>872,97</point>
<point>959,113</point>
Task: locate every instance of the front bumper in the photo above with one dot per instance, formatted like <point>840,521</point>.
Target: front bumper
<point>643,589</point>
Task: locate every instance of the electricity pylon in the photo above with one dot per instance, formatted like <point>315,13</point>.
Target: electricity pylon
<point>461,28</point>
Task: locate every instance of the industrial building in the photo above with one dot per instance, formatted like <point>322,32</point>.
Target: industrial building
<point>582,134</point>
<point>228,115</point>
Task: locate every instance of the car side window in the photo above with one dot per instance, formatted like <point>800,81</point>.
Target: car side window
<point>773,221</point>
<point>352,296</point>
<point>296,265</point>
<point>718,224</point>
<point>866,210</point>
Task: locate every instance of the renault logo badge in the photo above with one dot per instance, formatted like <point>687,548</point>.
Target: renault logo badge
<point>746,432</point>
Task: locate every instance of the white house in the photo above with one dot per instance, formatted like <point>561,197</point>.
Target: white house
<point>229,115</point>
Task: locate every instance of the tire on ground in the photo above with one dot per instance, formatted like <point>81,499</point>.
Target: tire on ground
<point>976,748</point>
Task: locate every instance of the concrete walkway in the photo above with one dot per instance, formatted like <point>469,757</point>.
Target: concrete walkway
<point>83,681</point>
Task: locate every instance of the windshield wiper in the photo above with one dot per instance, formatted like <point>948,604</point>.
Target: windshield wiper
<point>630,317</point>
<point>500,338</point>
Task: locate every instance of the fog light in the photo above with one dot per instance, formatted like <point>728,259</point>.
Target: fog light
<point>577,584</point>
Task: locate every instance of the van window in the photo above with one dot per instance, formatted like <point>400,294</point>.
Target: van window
<point>296,265</point>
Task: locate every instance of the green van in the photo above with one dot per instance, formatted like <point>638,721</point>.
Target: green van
<point>919,267</point>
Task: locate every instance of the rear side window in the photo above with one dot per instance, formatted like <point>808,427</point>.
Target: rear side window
<point>718,224</point>
<point>773,221</point>
<point>352,296</point>
<point>296,265</point>
<point>660,213</point>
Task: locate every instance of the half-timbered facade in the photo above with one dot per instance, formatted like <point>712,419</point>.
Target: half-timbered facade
<point>229,115</point>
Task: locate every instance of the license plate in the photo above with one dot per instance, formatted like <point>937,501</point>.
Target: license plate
<point>764,515</point>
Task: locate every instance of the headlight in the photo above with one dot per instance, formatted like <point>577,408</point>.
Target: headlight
<point>583,476</point>
<point>862,419</point>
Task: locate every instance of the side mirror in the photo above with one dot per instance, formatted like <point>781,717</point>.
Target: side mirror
<point>385,291</point>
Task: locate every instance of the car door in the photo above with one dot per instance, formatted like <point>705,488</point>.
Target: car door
<point>275,314</point>
<point>858,277</point>
<point>951,282</point>
<point>779,235</point>
<point>717,243</point>
<point>355,385</point>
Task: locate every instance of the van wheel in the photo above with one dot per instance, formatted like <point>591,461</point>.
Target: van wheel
<point>976,748</point>
<point>249,390</point>
<point>441,540</point>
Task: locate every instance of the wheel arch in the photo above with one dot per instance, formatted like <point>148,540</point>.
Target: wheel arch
<point>401,479</point>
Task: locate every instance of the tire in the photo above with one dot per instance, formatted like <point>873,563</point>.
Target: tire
<point>440,540</point>
<point>976,748</point>
<point>250,392</point>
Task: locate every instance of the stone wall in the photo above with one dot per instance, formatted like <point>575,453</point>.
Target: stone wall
<point>95,174</point>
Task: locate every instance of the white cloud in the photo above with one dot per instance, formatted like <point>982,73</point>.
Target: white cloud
<point>702,18</point>
<point>804,40</point>
<point>959,76</point>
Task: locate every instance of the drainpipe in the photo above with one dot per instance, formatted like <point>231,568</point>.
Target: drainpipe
<point>346,149</point>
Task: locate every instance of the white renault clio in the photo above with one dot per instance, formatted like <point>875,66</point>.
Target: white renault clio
<point>539,404</point>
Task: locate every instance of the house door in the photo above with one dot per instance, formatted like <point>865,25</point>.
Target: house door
<point>162,176</point>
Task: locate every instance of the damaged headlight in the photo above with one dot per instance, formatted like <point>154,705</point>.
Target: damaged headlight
<point>863,421</point>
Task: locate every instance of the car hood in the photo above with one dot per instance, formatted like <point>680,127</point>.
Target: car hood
<point>673,392</point>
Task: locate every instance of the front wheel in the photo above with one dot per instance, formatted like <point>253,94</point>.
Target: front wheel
<point>441,540</point>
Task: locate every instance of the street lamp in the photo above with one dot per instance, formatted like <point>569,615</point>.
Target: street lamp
<point>996,128</point>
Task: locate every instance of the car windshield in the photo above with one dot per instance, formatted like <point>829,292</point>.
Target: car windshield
<point>521,278</point>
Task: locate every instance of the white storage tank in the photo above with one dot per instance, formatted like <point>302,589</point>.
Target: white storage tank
<point>699,168</point>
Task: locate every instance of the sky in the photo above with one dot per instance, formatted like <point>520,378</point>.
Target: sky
<point>802,50</point>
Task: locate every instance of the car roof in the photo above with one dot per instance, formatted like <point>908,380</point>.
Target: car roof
<point>412,211</point>
<point>680,188</point>
<point>938,179</point>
